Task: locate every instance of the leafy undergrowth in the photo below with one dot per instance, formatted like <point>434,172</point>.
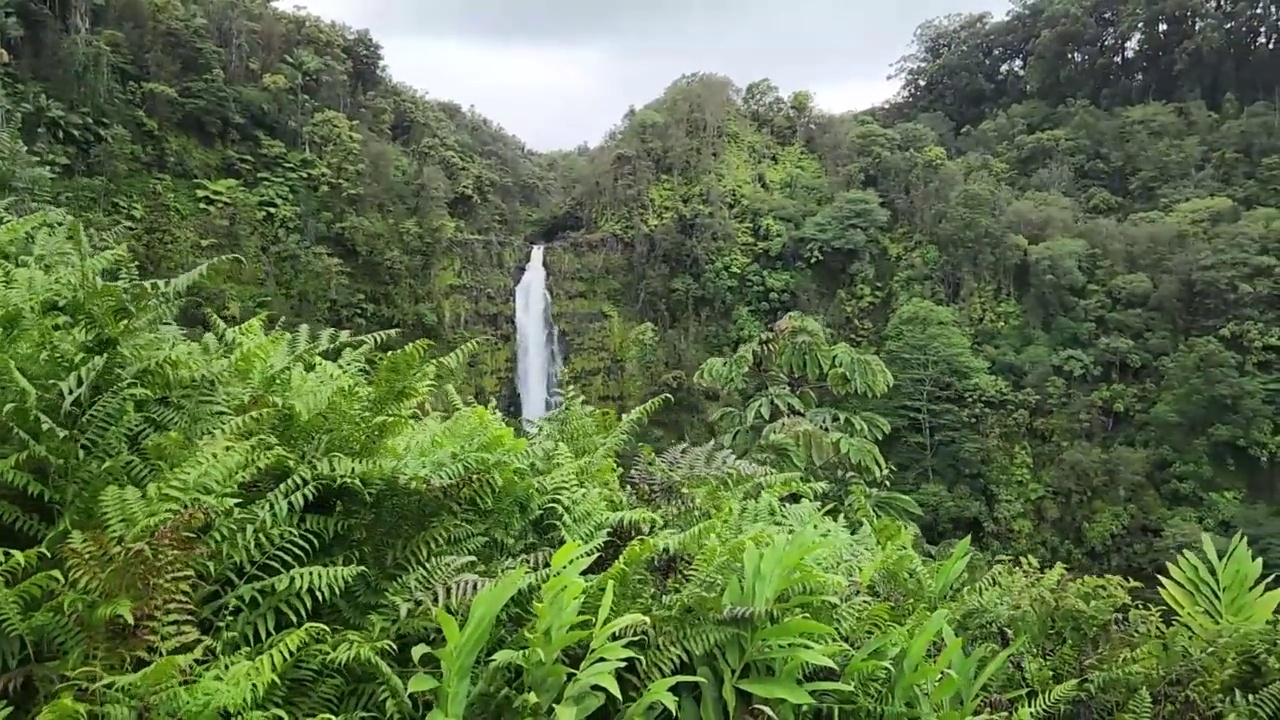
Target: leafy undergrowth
<point>252,522</point>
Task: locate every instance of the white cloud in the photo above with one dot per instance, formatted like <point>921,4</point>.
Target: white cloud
<point>853,94</point>
<point>552,97</point>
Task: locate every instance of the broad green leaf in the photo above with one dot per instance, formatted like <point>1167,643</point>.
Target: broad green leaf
<point>775,689</point>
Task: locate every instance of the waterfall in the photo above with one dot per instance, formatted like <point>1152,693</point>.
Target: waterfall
<point>537,344</point>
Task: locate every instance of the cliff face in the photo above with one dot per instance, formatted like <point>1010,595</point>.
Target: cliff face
<point>586,276</point>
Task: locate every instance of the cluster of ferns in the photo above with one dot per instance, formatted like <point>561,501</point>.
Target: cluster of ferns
<point>258,521</point>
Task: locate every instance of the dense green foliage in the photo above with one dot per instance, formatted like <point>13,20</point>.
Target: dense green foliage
<point>254,522</point>
<point>1033,302</point>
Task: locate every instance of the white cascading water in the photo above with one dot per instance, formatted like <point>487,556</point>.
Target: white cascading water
<point>537,344</point>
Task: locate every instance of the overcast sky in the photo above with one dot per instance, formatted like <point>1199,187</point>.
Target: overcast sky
<point>560,72</point>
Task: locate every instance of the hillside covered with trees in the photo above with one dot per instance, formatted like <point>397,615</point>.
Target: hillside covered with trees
<point>962,407</point>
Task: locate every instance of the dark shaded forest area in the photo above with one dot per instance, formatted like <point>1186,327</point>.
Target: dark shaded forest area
<point>960,407</point>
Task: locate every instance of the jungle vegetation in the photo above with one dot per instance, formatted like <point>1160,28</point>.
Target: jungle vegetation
<point>962,407</point>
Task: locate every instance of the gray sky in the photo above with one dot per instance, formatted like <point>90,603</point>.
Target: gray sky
<point>560,72</point>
